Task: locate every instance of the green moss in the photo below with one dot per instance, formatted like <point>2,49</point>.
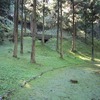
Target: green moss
<point>13,72</point>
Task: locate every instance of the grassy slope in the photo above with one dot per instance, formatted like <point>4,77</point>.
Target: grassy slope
<point>13,72</point>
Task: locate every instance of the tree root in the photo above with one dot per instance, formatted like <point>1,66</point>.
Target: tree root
<point>7,94</point>
<point>38,76</point>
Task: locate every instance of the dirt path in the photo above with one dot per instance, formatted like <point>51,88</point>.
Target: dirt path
<point>63,84</point>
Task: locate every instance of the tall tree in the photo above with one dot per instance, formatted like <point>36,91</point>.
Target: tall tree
<point>15,28</point>
<point>43,22</point>
<point>57,48</point>
<point>85,26</point>
<point>21,45</point>
<point>33,31</point>
<point>92,4</point>
<point>73,34</point>
<point>61,37</point>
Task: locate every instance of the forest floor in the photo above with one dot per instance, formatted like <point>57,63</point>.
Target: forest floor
<point>75,77</point>
<point>63,84</point>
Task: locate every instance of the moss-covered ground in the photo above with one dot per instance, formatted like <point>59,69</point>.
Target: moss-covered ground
<point>50,78</point>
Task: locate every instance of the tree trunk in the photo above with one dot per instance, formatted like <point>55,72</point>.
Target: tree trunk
<point>61,37</point>
<point>57,48</point>
<point>21,45</point>
<point>15,28</point>
<point>85,28</point>
<point>33,31</point>
<point>75,29</point>
<point>92,58</point>
<point>73,35</point>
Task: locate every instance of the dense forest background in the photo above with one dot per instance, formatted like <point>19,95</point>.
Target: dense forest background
<point>79,18</point>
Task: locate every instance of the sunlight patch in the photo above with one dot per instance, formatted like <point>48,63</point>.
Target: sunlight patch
<point>98,60</point>
<point>98,65</point>
<point>27,85</point>
<point>84,58</point>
